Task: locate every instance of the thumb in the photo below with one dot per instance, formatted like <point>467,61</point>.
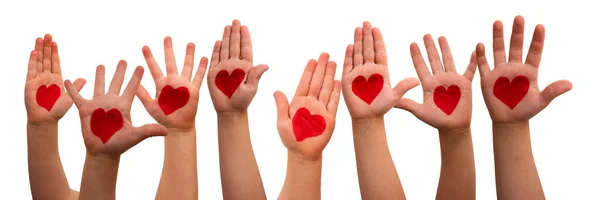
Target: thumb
<point>554,90</point>
<point>255,73</point>
<point>408,105</point>
<point>283,107</point>
<point>149,130</point>
<point>405,85</point>
<point>79,83</point>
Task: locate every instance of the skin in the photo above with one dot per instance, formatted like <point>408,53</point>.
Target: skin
<point>102,159</point>
<point>46,175</point>
<point>240,177</point>
<point>516,173</point>
<point>457,176</point>
<point>377,174</point>
<point>320,94</point>
<point>179,179</point>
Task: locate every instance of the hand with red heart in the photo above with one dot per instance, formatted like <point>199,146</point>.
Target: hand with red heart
<point>446,94</point>
<point>511,91</point>
<point>306,125</point>
<point>177,95</point>
<point>232,81</point>
<point>365,79</point>
<point>105,120</point>
<point>45,98</point>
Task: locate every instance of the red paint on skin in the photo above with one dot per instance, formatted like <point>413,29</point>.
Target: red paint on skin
<point>171,99</point>
<point>367,90</point>
<point>227,83</point>
<point>307,125</point>
<point>511,93</point>
<point>47,96</point>
<point>106,124</point>
<point>447,99</point>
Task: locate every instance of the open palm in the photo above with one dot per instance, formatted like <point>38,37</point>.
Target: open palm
<point>232,79</point>
<point>306,125</point>
<point>105,120</point>
<point>177,95</point>
<point>511,90</point>
<point>446,94</point>
<point>365,79</point>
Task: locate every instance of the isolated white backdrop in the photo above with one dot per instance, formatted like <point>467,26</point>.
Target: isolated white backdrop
<point>285,35</point>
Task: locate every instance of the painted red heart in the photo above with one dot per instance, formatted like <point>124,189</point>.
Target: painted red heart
<point>106,124</point>
<point>447,100</point>
<point>511,93</point>
<point>47,96</point>
<point>229,83</point>
<point>307,125</point>
<point>172,99</point>
<point>367,90</point>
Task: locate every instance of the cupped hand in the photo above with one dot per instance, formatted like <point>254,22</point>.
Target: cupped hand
<point>306,125</point>
<point>106,120</point>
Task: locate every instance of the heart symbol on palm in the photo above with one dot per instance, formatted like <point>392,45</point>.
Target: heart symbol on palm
<point>227,83</point>
<point>511,93</point>
<point>106,124</point>
<point>306,125</point>
<point>46,96</point>
<point>171,99</point>
<point>367,90</point>
<point>447,99</point>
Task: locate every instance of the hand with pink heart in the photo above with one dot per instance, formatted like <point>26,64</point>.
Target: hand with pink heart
<point>446,94</point>
<point>365,79</point>
<point>177,95</point>
<point>511,90</point>
<point>105,119</point>
<point>306,125</point>
<point>232,79</point>
<point>45,98</point>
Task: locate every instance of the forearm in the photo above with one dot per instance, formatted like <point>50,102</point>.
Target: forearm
<point>46,175</point>
<point>457,175</point>
<point>516,173</point>
<point>179,179</point>
<point>302,179</point>
<point>240,177</point>
<point>377,174</point>
<point>99,177</point>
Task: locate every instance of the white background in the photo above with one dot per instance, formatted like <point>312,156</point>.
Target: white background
<point>285,35</point>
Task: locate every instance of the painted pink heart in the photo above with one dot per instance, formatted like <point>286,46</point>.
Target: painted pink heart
<point>229,83</point>
<point>306,125</point>
<point>47,96</point>
<point>367,90</point>
<point>171,99</point>
<point>511,93</point>
<point>106,124</point>
<point>447,99</point>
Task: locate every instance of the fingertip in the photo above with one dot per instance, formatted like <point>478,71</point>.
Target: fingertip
<point>427,36</point>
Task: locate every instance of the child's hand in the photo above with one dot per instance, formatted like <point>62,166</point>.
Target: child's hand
<point>446,94</point>
<point>232,81</point>
<point>105,120</point>
<point>365,79</point>
<point>45,97</point>
<point>511,91</point>
<point>177,95</point>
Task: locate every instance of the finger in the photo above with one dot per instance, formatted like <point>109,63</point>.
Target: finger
<point>306,78</point>
<point>554,90</point>
<point>133,84</point>
<point>72,92</point>
<point>170,57</point>
<point>78,84</point>
<point>327,82</point>
<point>348,60</point>
<point>317,79</point>
<point>368,46</point>
<point>408,105</point>
<point>149,130</point>
<point>55,69</point>
<point>235,42</point>
<point>380,52</point>
<point>405,85</point>
<point>224,55</point>
<point>246,44</point>
<point>472,67</point>
<point>214,59</point>
<point>255,73</point>
<point>334,101</point>
<point>534,56</point>
<point>446,55</point>
<point>39,48</point>
<point>418,62</point>
<point>283,106</point>
<point>47,59</point>
<point>516,40</point>
<point>498,44</point>
<point>432,54</point>
<point>99,84</point>
<point>144,96</point>
<point>200,72</point>
<point>188,63</point>
<point>31,67</point>
<point>117,80</point>
<point>484,67</point>
<point>358,47</point>
<point>152,64</point>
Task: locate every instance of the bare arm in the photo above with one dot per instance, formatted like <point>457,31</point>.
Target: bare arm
<point>302,179</point>
<point>179,177</point>
<point>457,176</point>
<point>99,177</point>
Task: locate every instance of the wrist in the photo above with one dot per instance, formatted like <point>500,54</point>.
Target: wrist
<point>232,114</point>
<point>181,131</point>
<point>301,160</point>
<point>367,121</point>
<point>42,124</point>
<point>509,127</point>
<point>103,158</point>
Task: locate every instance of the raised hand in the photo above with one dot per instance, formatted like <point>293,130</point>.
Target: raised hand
<point>105,120</point>
<point>511,90</point>
<point>446,94</point>
<point>365,79</point>
<point>177,95</point>
<point>45,98</point>
<point>232,79</point>
<point>305,126</point>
